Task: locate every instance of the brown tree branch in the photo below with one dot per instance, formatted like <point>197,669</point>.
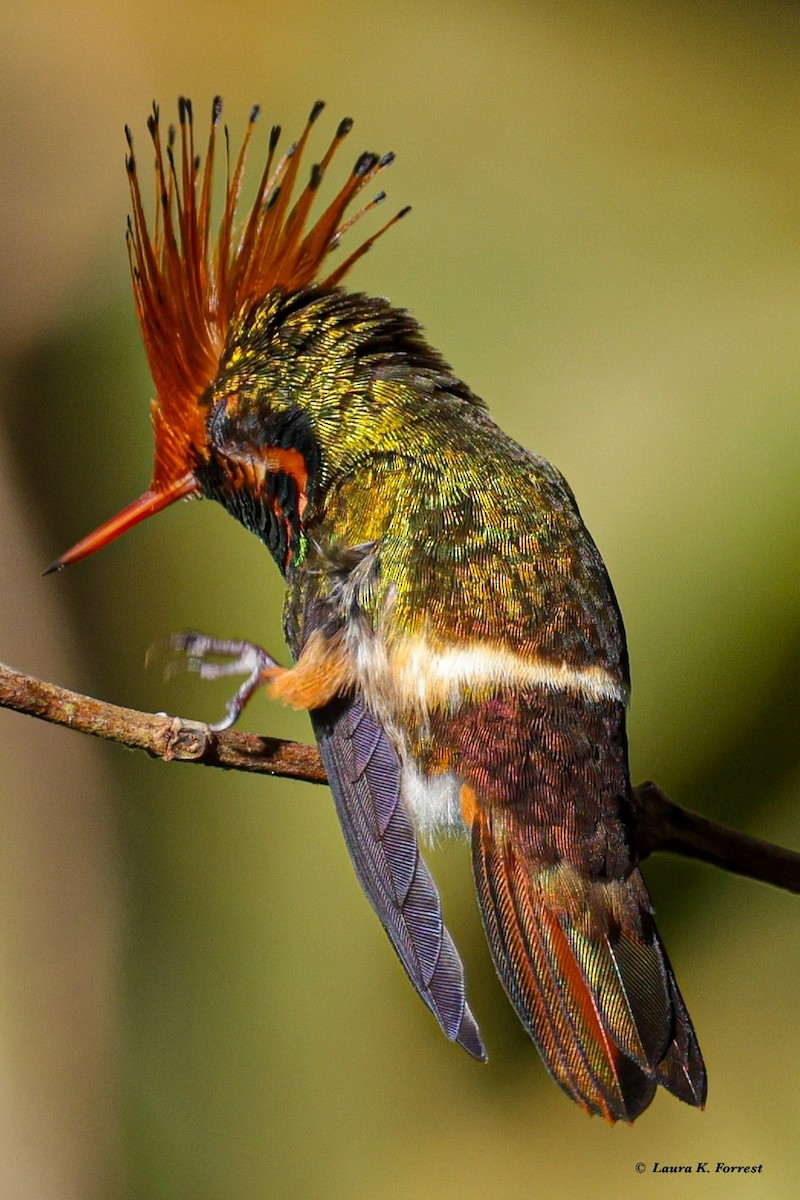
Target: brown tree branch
<point>659,823</point>
<point>170,738</point>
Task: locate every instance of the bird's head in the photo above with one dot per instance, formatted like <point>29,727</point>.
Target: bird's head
<point>192,287</point>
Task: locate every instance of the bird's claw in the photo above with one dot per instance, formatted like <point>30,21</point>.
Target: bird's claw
<point>216,658</point>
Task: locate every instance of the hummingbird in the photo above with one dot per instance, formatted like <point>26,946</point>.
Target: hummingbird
<point>454,633</point>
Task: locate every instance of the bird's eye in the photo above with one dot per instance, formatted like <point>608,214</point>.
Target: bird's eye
<point>220,414</point>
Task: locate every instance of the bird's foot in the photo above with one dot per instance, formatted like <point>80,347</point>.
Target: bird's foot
<point>216,658</point>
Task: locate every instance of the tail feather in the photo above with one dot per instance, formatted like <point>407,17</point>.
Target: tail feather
<point>597,994</point>
<point>682,1070</point>
<point>514,960</point>
<point>545,983</point>
<point>625,973</point>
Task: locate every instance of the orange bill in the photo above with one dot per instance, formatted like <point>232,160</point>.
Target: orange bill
<point>148,504</point>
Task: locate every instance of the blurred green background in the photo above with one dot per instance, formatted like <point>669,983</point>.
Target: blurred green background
<point>195,1000</point>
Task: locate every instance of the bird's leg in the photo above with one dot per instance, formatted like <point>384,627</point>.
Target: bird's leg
<point>323,670</point>
<point>216,658</point>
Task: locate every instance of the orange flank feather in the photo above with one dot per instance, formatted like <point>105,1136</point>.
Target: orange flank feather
<point>323,670</point>
<point>469,805</point>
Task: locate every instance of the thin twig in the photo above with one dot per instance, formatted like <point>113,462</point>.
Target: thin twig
<point>170,738</point>
<point>659,823</point>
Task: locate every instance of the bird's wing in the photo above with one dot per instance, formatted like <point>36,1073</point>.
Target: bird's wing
<point>364,775</point>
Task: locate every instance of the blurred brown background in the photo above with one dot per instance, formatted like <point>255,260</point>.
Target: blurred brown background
<point>195,1000</point>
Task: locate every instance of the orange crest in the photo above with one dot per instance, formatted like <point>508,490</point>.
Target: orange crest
<point>190,285</point>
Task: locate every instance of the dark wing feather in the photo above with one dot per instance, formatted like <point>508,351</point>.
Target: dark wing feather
<point>364,775</point>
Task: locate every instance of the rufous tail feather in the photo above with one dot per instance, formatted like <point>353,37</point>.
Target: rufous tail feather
<point>590,982</point>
